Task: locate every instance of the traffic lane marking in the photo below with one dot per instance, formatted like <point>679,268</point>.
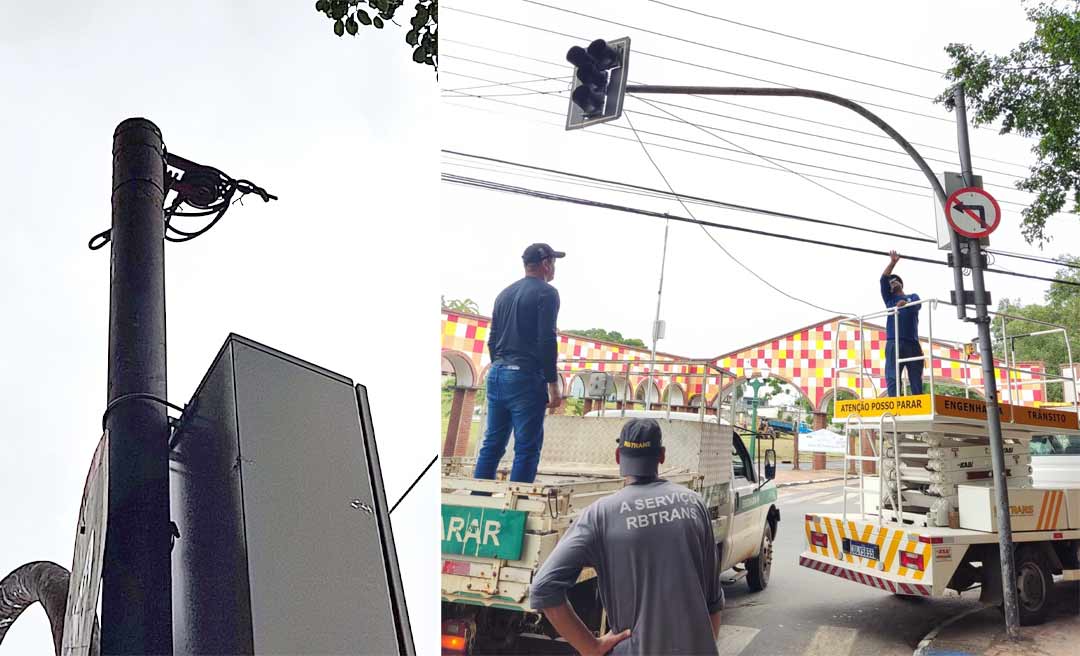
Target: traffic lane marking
<point>809,498</point>
<point>813,487</point>
<point>734,639</point>
<point>831,641</point>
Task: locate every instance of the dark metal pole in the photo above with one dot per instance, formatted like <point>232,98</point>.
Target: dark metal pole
<point>136,608</point>
<point>935,184</point>
<point>993,419</point>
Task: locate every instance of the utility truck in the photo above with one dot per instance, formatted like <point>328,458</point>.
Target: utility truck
<point>496,534</point>
<point>919,515</point>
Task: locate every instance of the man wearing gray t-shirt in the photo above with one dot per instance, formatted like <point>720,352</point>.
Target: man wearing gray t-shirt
<point>653,550</point>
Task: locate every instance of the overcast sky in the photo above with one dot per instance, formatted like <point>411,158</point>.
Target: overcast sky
<point>711,305</point>
<point>340,129</point>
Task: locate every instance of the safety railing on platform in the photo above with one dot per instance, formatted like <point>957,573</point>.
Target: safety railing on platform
<point>601,384</point>
<point>1006,369</point>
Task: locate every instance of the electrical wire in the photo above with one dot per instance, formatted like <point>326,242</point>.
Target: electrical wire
<point>820,136</point>
<point>594,182</point>
<point>674,195</point>
<point>769,125</point>
<point>719,157</point>
<point>731,52</point>
<point>735,132</point>
<point>406,493</point>
<point>799,38</point>
<point>207,190</point>
<point>693,64</point>
<point>876,135</point>
<point>921,186</point>
<point>714,239</point>
<point>564,78</point>
<point>792,171</point>
<point>739,150</point>
<point>534,193</point>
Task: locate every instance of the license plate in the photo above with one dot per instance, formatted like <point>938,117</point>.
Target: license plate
<point>862,549</point>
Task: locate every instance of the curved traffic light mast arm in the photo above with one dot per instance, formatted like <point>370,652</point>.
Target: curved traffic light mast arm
<point>939,191</point>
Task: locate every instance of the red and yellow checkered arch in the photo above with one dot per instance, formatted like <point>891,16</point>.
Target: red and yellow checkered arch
<point>811,358</point>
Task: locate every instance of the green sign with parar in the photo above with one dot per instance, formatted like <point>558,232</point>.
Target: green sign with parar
<point>482,532</point>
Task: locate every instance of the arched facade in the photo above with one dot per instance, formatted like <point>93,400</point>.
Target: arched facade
<point>462,367</point>
<point>813,359</point>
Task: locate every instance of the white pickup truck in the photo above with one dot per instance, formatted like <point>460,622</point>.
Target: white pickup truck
<point>492,546</point>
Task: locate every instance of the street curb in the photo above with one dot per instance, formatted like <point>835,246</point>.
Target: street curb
<point>925,646</point>
<point>813,480</point>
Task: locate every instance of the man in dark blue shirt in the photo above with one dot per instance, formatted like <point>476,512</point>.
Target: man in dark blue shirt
<point>901,331</point>
<point>522,382</point>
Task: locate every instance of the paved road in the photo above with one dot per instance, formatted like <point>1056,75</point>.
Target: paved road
<point>807,613</point>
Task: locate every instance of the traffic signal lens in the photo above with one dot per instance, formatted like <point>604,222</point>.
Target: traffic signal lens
<point>578,56</point>
<point>603,55</point>
<point>588,99</point>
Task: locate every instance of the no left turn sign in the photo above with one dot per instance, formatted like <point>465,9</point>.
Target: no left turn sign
<point>972,212</point>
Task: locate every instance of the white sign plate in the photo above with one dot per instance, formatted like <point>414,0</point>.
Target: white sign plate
<point>85,585</point>
<point>822,441</point>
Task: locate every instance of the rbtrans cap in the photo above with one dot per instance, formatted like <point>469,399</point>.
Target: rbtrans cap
<point>536,253</point>
<point>639,448</point>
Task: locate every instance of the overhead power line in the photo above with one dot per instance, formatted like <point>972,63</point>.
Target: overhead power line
<point>921,185</point>
<point>588,181</point>
<point>732,52</point>
<point>704,144</point>
<point>869,133</point>
<point>688,151</point>
<point>714,240</point>
<point>693,64</point>
<point>534,193</point>
<point>597,132</point>
<point>564,78</point>
<point>799,38</point>
<point>772,160</point>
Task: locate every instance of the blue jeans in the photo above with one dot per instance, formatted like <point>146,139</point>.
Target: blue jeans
<point>914,368</point>
<point>516,400</point>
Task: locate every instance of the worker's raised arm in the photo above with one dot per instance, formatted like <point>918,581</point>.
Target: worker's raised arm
<point>894,257</point>
<point>886,288</point>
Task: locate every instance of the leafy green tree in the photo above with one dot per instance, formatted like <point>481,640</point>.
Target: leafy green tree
<point>461,305</point>
<point>842,395</point>
<point>608,336</point>
<point>349,15</point>
<point>1035,91</point>
<point>1061,307</point>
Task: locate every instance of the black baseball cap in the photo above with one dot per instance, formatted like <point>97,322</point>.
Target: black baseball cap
<point>897,279</point>
<point>639,448</point>
<point>538,252</point>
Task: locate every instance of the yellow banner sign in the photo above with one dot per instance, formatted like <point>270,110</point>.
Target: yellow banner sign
<point>901,405</point>
<point>952,406</point>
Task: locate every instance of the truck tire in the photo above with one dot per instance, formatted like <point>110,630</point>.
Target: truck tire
<point>1034,584</point>
<point>759,567</point>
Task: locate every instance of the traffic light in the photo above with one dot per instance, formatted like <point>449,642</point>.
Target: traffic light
<point>599,84</point>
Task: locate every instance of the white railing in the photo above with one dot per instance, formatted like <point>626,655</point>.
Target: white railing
<point>1010,373</point>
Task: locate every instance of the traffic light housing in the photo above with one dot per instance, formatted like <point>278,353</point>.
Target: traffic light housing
<point>599,82</point>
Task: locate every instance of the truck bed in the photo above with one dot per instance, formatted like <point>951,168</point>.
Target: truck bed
<point>479,573</point>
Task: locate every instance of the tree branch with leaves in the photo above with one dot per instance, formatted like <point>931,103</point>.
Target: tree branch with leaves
<point>1035,91</point>
<point>350,15</point>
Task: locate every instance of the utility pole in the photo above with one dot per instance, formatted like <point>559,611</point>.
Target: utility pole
<point>136,609</point>
<point>977,262</point>
<point>656,329</point>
